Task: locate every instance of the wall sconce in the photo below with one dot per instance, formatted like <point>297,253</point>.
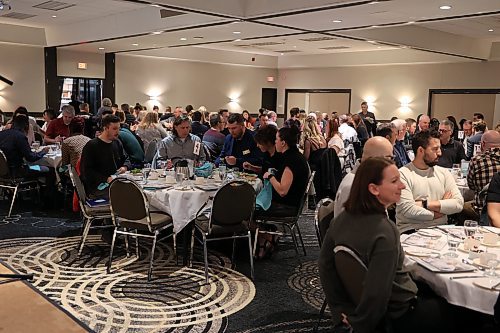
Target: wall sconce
<point>405,101</point>
<point>234,100</point>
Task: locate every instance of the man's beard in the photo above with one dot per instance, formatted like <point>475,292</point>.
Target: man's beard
<point>430,163</point>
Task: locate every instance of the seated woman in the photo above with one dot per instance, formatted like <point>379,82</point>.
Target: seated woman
<point>333,137</point>
<point>388,290</point>
<point>312,141</point>
<point>249,120</point>
<point>265,137</point>
<point>150,129</point>
<point>289,182</point>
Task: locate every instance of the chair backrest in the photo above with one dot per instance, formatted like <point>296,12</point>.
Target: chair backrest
<point>304,197</point>
<point>322,218</point>
<point>233,203</point>
<point>128,202</point>
<point>78,185</point>
<point>351,270</point>
<point>4,166</point>
<point>150,151</point>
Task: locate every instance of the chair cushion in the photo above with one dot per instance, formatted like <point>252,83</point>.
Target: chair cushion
<point>98,210</point>
<point>202,223</point>
<point>158,221</point>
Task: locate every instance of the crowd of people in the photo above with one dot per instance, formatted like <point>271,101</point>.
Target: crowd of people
<point>387,177</point>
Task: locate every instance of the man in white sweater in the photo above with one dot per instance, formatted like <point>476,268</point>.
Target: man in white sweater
<point>431,193</point>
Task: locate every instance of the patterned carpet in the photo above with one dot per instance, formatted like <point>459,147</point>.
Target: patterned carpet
<point>285,297</point>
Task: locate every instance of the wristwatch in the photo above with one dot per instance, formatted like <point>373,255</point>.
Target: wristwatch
<point>424,203</point>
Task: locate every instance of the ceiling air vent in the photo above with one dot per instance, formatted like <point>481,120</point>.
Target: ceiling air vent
<point>164,13</point>
<point>334,48</point>
<point>287,51</point>
<point>54,5</point>
<point>317,39</point>
<point>18,16</point>
<point>266,44</point>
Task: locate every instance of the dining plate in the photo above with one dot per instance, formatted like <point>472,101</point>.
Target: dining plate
<point>477,262</point>
<point>418,252</point>
<point>429,233</point>
<point>491,245</point>
<point>489,283</point>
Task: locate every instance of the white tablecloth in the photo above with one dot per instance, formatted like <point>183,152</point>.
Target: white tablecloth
<point>53,160</point>
<point>461,292</point>
<point>182,205</point>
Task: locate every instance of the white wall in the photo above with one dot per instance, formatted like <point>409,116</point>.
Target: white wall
<point>24,65</point>
<point>385,86</point>
<point>174,83</point>
<point>67,64</point>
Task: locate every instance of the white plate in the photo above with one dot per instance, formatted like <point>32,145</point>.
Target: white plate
<point>490,245</point>
<point>477,262</point>
<point>419,252</point>
<point>433,234</point>
<point>487,283</point>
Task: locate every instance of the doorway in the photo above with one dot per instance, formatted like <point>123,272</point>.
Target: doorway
<point>87,91</point>
<point>318,100</point>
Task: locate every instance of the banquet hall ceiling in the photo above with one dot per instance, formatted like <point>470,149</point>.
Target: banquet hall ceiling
<point>469,30</point>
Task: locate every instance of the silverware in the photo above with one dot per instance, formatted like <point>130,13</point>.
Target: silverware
<point>449,233</point>
<point>468,262</point>
<point>488,230</point>
<point>465,277</point>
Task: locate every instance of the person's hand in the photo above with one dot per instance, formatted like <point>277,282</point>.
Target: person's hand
<point>170,165</point>
<point>45,149</point>
<point>231,160</point>
<point>58,138</point>
<point>447,195</point>
<point>266,175</point>
<point>121,170</point>
<point>248,166</point>
<point>438,215</point>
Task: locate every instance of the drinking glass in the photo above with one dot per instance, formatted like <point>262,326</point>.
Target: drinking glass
<point>222,171</point>
<point>145,175</point>
<point>453,244</point>
<point>236,173</point>
<point>35,145</point>
<point>464,166</point>
<point>470,228</point>
<point>179,177</point>
<point>492,264</point>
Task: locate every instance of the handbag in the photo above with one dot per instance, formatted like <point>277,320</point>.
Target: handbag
<point>265,196</point>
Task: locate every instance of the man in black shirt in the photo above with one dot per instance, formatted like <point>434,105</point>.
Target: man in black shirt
<point>369,119</point>
<point>103,158</point>
<point>452,152</point>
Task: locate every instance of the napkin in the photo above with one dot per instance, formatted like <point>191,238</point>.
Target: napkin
<point>204,171</point>
<point>265,196</point>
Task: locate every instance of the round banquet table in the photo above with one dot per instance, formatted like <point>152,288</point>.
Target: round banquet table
<point>462,292</point>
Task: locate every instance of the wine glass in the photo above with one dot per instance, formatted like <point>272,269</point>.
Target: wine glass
<point>492,265</point>
<point>453,244</point>
<point>145,174</point>
<point>470,228</point>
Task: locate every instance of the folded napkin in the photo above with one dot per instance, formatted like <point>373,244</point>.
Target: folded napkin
<point>102,186</point>
<point>204,170</point>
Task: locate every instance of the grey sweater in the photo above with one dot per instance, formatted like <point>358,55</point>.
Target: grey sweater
<point>388,287</point>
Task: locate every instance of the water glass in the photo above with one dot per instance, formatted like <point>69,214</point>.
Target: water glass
<point>492,265</point>
<point>58,146</point>
<point>464,166</point>
<point>236,173</point>
<point>35,145</point>
<point>179,177</point>
<point>453,244</point>
<point>470,228</point>
<point>145,175</point>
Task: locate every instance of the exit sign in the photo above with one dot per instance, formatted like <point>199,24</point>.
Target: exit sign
<point>82,65</point>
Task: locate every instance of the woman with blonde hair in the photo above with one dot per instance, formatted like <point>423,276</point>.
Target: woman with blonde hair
<point>150,129</point>
<point>311,139</point>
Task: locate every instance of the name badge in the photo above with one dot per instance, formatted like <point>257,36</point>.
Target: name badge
<point>197,147</point>
<point>246,152</point>
<point>477,149</point>
<point>460,135</point>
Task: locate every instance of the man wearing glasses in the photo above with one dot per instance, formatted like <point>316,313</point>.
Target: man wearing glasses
<point>430,193</point>
<point>452,152</point>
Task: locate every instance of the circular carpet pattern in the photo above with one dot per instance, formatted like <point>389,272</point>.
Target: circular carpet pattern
<point>176,300</point>
<point>305,280</point>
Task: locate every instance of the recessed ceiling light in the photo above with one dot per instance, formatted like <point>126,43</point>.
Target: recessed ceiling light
<point>101,48</point>
<point>281,53</point>
<point>373,2</point>
<point>238,40</point>
<point>411,22</point>
<point>183,38</point>
<point>490,30</point>
<point>375,26</point>
<point>135,44</point>
<point>379,47</point>
<point>445,7</point>
<point>337,21</point>
<point>157,6</point>
<point>156,32</point>
<point>54,16</point>
<point>236,32</point>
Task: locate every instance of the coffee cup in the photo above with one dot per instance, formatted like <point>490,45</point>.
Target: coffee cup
<point>199,181</point>
<point>170,179</point>
<point>490,238</point>
<point>471,243</point>
<point>485,257</point>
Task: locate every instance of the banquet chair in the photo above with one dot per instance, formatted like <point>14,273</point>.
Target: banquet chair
<point>16,184</point>
<point>286,222</point>
<point>150,151</point>
<point>130,210</point>
<point>90,214</point>
<point>323,216</point>
<point>352,273</point>
<point>229,218</point>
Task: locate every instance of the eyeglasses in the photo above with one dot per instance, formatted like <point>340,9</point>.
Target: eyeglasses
<point>443,130</point>
<point>389,157</point>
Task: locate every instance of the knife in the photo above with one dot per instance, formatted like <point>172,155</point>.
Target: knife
<point>466,277</point>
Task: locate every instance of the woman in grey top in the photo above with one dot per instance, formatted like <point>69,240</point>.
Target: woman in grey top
<point>150,129</point>
<point>388,290</point>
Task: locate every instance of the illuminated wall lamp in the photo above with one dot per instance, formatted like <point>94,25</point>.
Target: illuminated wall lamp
<point>234,100</point>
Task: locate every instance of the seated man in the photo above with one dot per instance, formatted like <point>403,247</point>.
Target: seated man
<point>400,155</point>
<point>493,201</point>
<point>197,128</point>
<point>213,138</point>
<point>239,145</point>
<point>482,168</point>
<point>430,193</point>
<point>102,158</point>
<point>452,152</point>
<point>374,147</point>
<point>58,129</point>
<point>181,144</point>
<point>130,142</point>
<point>72,147</point>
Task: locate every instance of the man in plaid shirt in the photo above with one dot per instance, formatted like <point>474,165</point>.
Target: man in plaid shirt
<point>483,167</point>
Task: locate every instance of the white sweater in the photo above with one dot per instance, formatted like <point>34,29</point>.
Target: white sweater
<point>430,184</point>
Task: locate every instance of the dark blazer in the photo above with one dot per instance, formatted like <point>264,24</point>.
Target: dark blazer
<point>245,150</point>
<point>198,129</point>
